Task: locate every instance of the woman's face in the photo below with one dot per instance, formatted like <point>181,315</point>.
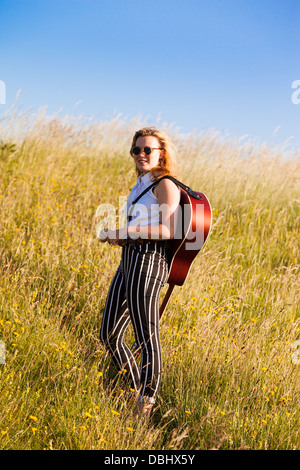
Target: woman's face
<point>145,162</point>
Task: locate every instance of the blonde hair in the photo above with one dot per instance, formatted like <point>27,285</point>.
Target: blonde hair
<point>167,165</point>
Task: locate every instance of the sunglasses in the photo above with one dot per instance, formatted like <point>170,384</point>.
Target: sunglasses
<point>146,150</point>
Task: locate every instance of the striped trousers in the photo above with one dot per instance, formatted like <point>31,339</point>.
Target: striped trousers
<point>133,297</point>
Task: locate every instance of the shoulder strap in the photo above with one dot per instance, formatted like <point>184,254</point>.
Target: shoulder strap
<point>178,183</point>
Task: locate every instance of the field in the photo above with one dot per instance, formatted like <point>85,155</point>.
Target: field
<point>229,334</point>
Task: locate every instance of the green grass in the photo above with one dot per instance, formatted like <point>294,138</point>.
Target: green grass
<point>227,334</point>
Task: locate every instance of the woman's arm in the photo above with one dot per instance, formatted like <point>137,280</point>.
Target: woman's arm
<point>168,197</point>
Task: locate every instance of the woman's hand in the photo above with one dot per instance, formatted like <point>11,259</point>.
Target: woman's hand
<point>114,237</point>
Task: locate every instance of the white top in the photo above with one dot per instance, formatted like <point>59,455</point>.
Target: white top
<point>146,210</point>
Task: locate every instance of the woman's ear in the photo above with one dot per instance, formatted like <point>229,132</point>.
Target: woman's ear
<point>162,155</point>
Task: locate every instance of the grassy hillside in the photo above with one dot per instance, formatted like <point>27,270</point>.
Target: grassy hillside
<point>231,372</point>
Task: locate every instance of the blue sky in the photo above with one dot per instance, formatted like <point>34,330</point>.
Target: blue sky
<point>226,64</point>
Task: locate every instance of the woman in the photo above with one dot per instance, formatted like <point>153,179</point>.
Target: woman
<point>143,270</point>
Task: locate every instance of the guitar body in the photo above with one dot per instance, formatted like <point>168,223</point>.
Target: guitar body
<point>194,223</point>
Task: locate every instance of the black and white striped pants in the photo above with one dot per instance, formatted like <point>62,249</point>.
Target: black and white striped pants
<point>133,296</point>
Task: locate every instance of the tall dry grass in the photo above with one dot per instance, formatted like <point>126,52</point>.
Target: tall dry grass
<point>231,377</point>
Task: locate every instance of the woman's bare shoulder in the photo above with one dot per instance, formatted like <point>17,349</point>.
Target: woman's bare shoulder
<point>166,186</point>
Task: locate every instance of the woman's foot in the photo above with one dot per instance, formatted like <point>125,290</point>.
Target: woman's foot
<point>143,410</point>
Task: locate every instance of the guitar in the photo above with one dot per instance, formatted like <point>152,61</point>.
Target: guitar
<point>193,227</point>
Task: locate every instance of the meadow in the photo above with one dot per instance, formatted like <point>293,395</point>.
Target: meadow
<point>229,334</point>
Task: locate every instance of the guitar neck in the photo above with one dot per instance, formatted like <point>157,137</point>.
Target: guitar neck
<point>166,299</point>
